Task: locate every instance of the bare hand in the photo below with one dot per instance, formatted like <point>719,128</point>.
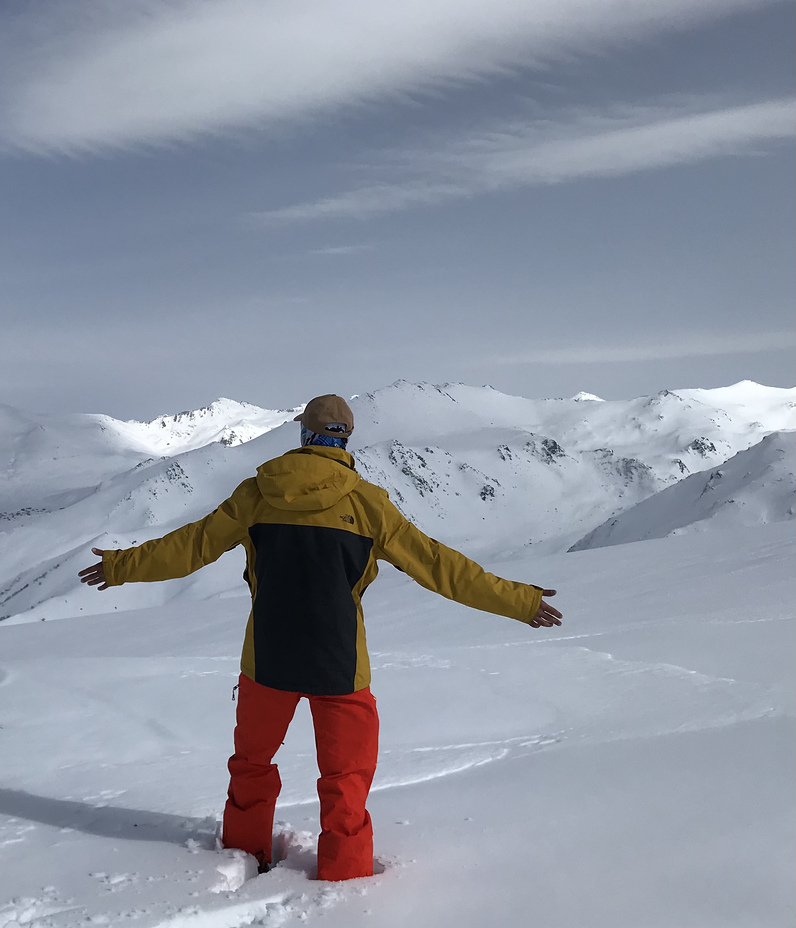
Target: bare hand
<point>547,614</point>
<point>96,573</point>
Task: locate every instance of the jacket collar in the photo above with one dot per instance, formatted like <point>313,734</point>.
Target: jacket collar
<point>333,454</point>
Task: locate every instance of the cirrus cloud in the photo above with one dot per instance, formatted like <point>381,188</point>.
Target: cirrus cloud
<point>694,345</point>
<point>80,76</point>
<point>578,144</point>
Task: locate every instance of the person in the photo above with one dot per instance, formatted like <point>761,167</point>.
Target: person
<point>313,531</point>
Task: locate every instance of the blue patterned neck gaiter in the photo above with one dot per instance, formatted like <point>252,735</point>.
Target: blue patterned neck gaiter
<point>313,438</point>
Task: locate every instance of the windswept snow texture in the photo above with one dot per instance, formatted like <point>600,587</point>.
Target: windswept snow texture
<point>754,487</point>
<point>480,470</point>
<point>634,767</point>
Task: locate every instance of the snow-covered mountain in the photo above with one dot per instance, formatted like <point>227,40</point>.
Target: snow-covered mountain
<point>656,721</point>
<point>43,456</point>
<point>754,487</point>
<point>225,420</point>
<point>475,468</point>
<point>492,471</point>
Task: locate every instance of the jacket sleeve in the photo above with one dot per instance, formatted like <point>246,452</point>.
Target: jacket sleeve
<point>182,551</point>
<point>449,573</point>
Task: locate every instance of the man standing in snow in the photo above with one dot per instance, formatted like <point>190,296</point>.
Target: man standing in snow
<point>313,531</point>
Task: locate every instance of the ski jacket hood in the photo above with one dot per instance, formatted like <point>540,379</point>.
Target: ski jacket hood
<point>307,479</point>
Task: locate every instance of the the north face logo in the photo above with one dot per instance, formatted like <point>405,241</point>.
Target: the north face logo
<point>349,519</point>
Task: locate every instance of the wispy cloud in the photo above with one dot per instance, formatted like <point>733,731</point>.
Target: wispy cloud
<point>88,75</point>
<point>333,250</point>
<point>576,145</point>
<point>694,346</point>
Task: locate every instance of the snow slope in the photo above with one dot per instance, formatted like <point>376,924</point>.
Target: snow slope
<point>43,456</point>
<point>475,468</point>
<point>225,420</point>
<point>754,487</point>
<point>632,768</point>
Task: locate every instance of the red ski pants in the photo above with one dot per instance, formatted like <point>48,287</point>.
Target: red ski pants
<point>346,741</point>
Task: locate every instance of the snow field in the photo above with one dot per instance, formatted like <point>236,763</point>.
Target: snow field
<point>631,768</point>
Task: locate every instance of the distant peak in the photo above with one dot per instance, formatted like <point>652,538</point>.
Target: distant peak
<point>226,401</point>
<point>405,386</point>
<point>583,397</point>
<point>222,406</point>
<point>663,396</point>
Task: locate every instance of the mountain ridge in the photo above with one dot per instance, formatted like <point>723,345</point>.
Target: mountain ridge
<point>480,470</point>
<point>753,487</point>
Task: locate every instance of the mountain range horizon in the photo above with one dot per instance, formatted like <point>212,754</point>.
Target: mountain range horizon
<point>487,472</point>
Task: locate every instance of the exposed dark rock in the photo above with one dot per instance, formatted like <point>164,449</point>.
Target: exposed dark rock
<point>702,446</point>
<point>545,449</point>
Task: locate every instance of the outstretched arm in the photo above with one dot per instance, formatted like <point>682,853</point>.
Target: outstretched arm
<point>177,554</point>
<point>448,572</point>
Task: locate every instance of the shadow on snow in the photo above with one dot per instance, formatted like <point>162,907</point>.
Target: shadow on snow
<point>107,821</point>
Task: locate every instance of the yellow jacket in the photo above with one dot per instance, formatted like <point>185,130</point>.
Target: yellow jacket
<point>313,531</point>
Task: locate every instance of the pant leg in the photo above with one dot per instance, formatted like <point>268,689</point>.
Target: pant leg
<point>263,717</point>
<point>347,742</point>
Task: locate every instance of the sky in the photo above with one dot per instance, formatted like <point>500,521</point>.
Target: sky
<point>271,199</point>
